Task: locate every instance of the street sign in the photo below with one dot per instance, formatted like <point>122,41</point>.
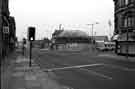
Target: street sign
<point>6,30</point>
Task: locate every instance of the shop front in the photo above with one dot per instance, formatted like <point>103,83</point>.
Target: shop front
<point>124,46</point>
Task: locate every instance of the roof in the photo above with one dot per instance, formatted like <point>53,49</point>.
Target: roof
<point>57,32</point>
<point>73,33</point>
<point>100,38</point>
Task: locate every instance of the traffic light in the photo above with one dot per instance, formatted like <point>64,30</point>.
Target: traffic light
<point>31,33</point>
<point>24,41</point>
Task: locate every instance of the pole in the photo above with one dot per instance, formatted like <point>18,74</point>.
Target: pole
<point>110,32</point>
<point>92,32</point>
<point>30,53</point>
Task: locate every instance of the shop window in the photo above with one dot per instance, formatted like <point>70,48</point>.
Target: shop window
<point>129,21</point>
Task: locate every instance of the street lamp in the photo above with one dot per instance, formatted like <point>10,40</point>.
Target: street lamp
<point>92,29</point>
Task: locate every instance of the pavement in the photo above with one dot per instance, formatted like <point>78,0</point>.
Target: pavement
<point>16,74</point>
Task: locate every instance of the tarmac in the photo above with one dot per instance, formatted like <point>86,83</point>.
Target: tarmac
<point>117,57</point>
<point>16,74</point>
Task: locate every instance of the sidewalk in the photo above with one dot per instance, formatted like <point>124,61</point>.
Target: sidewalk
<point>18,75</point>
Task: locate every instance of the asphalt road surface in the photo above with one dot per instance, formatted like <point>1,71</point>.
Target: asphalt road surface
<point>85,70</point>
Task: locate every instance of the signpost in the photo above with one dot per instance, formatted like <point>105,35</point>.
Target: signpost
<point>31,37</point>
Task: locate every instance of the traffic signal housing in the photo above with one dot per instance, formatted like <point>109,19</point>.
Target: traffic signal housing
<point>31,33</point>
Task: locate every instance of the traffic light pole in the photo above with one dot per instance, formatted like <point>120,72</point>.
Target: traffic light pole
<point>31,37</point>
<point>30,63</point>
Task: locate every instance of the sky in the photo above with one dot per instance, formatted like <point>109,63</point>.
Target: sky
<point>46,15</point>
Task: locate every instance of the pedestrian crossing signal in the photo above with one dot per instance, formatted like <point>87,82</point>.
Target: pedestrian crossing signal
<point>31,33</point>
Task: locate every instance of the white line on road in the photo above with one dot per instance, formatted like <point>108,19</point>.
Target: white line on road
<point>72,67</point>
<point>96,73</point>
<point>81,67</point>
<point>119,67</point>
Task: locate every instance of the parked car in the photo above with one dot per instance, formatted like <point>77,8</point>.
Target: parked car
<point>105,46</point>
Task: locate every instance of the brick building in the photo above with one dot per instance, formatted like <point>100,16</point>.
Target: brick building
<point>70,40</point>
<point>125,27</point>
<point>7,29</point>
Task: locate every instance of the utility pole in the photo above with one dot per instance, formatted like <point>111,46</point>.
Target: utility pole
<point>92,38</point>
<point>92,27</point>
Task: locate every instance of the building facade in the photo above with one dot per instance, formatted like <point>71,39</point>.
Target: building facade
<point>7,29</point>
<point>73,40</point>
<point>125,27</point>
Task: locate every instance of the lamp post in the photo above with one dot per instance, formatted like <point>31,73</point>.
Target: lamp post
<point>93,48</point>
<point>92,26</point>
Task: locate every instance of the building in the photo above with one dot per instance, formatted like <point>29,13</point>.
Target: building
<point>125,27</point>
<point>100,38</point>
<point>45,43</point>
<point>70,40</point>
<point>7,29</point>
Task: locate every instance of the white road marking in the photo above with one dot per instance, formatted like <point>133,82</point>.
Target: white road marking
<point>97,73</point>
<point>72,67</point>
<point>81,67</point>
<point>119,67</point>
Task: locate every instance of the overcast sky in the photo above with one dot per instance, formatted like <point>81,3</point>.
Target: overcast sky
<point>46,15</point>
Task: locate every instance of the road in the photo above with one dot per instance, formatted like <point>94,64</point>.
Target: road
<point>84,70</point>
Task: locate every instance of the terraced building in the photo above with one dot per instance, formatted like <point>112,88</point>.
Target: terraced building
<point>7,29</point>
<point>125,27</point>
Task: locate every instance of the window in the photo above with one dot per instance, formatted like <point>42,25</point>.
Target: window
<point>120,3</point>
<point>125,22</point>
<point>129,21</point>
<point>126,2</point>
<point>133,21</point>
